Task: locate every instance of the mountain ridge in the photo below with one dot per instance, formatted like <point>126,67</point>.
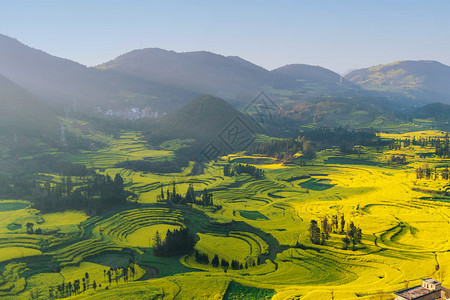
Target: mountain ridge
<point>426,80</point>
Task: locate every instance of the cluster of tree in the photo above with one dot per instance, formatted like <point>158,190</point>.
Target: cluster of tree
<point>154,166</point>
<point>206,198</point>
<point>320,234</point>
<point>396,144</point>
<point>354,236</point>
<point>316,235</point>
<point>442,148</point>
<point>18,178</point>
<point>17,185</point>
<point>90,194</point>
<point>284,149</point>
<point>427,172</point>
<point>345,139</point>
<point>277,147</point>
<point>238,169</point>
<point>31,230</point>
<point>177,242</point>
<point>397,159</point>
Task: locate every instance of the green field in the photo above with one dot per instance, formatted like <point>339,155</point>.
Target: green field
<point>405,231</point>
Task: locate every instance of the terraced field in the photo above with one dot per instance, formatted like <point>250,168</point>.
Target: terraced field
<point>405,231</point>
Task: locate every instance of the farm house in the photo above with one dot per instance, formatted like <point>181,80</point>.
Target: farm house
<point>429,290</point>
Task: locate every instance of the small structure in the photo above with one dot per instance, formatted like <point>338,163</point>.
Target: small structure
<point>429,290</point>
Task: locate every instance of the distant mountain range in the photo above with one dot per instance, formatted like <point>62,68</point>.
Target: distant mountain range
<point>425,81</point>
<point>232,78</point>
<point>165,80</point>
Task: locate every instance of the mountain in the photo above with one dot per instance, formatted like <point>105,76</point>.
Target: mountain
<point>309,81</point>
<point>302,72</point>
<point>202,119</point>
<point>64,82</point>
<point>426,81</point>
<point>204,72</point>
<point>23,113</point>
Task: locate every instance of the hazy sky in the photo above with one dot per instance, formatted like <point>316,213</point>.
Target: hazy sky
<point>338,34</point>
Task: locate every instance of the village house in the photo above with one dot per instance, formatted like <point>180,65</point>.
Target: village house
<point>430,289</point>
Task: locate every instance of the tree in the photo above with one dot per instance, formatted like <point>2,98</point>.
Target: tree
<point>224,264</point>
<point>342,224</point>
<point>346,241</point>
<point>326,227</point>
<point>309,149</point>
<point>190,194</point>
<point>445,173</point>
<point>157,240</point>
<point>351,230</point>
<point>69,186</point>
<point>358,235</point>
<point>215,261</point>
<point>322,239</point>
<point>314,232</point>
<point>30,227</point>
<point>335,223</point>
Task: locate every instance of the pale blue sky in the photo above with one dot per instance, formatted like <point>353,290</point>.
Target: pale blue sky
<point>338,34</point>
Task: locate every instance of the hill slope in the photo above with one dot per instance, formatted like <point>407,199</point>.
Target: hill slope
<point>22,112</point>
<point>62,81</point>
<point>438,111</point>
<point>424,80</point>
<point>205,120</point>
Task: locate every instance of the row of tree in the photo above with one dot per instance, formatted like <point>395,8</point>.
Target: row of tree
<point>427,172</point>
<point>203,258</point>
<point>81,285</point>
<point>205,199</point>
<point>440,144</point>
<point>31,230</point>
<point>397,159</point>
<point>176,242</point>
<point>238,169</point>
